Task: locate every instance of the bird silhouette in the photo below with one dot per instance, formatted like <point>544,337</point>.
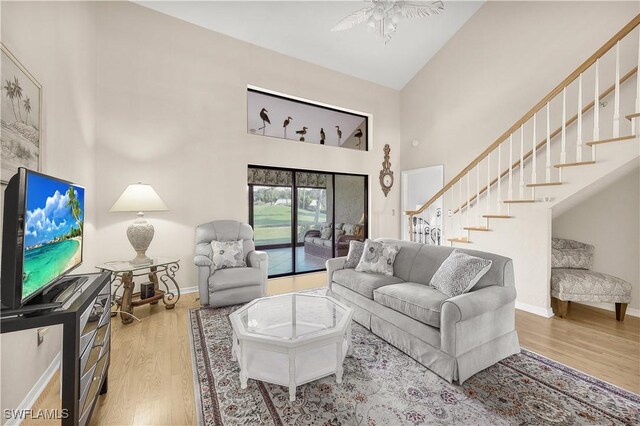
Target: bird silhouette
<point>265,119</point>
<point>302,133</point>
<point>285,124</point>
<point>322,136</point>
<point>339,134</point>
<point>358,134</point>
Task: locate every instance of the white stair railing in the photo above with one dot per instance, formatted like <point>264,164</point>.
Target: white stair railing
<point>458,226</point>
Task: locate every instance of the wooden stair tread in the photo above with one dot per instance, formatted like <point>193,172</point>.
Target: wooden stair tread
<point>534,185</point>
<point>580,163</point>
<point>476,228</point>
<point>632,116</point>
<point>518,201</point>
<point>497,216</point>
<point>621,138</point>
<point>459,240</point>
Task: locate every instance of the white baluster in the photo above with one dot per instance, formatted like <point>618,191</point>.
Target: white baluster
<point>534,142</point>
<point>596,110</point>
<point>488,192</point>
<point>563,141</point>
<point>510,195</point>
<point>579,129</point>
<point>521,171</point>
<point>477,206</point>
<point>634,120</point>
<point>468,198</point>
<point>460,208</point>
<point>547,166</point>
<point>499,197</point>
<point>616,101</point>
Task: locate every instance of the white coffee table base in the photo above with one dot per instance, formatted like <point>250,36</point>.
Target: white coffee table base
<point>292,366</point>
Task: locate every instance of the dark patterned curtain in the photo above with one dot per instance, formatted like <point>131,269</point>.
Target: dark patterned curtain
<point>311,180</point>
<point>257,176</point>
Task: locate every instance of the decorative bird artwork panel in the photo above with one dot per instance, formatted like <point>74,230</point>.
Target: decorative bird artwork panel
<point>277,116</point>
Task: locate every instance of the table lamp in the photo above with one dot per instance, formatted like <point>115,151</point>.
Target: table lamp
<point>139,197</point>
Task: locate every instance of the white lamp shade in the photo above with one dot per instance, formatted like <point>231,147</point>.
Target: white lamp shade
<point>139,197</point>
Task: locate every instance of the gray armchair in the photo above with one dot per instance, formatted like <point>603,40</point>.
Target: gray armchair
<point>229,286</point>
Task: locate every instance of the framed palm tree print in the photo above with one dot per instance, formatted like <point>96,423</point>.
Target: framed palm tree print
<point>21,117</point>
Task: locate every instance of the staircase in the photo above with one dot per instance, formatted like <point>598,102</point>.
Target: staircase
<point>584,129</point>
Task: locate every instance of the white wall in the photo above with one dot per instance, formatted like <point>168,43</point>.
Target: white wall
<point>171,112</point>
<point>609,220</point>
<point>56,43</point>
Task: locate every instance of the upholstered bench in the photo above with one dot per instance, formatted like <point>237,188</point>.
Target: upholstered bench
<point>573,281</point>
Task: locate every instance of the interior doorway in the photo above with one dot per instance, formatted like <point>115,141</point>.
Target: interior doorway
<point>418,186</point>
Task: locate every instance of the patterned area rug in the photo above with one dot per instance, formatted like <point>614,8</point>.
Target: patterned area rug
<point>383,386</point>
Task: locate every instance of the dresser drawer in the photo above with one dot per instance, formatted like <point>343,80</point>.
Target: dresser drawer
<point>85,382</point>
<point>96,349</point>
<point>94,387</point>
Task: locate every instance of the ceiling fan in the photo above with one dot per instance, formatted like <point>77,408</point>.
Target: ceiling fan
<point>383,16</point>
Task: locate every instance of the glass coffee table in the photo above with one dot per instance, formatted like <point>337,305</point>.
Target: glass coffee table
<point>291,339</point>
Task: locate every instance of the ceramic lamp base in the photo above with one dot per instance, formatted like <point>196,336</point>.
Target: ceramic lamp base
<point>140,234</point>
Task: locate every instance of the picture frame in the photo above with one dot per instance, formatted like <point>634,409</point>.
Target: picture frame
<point>276,115</point>
<point>21,117</point>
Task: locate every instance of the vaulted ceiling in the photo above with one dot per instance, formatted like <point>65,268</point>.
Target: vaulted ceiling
<point>300,29</point>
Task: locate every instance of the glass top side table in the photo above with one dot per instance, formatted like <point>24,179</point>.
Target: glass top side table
<point>161,271</point>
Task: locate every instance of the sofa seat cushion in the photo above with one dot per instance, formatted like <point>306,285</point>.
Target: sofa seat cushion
<point>363,283</point>
<point>417,301</point>
<point>224,279</point>
<point>308,239</point>
<point>579,285</point>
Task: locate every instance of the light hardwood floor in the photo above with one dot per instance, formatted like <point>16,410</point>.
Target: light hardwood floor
<point>151,379</point>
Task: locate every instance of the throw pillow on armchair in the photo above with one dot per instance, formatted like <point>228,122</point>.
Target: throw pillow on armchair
<point>227,254</point>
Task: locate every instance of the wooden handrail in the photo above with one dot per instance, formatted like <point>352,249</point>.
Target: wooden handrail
<point>552,94</point>
<point>555,133</point>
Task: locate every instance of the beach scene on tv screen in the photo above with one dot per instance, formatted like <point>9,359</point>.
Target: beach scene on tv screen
<point>53,231</point>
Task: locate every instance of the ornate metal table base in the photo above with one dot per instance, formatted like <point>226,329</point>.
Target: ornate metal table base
<point>160,273</point>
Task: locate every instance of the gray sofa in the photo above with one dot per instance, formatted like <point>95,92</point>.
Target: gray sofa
<point>454,337</point>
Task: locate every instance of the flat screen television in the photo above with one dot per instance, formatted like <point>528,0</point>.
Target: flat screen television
<point>42,235</point>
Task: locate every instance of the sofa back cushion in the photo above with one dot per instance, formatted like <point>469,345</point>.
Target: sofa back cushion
<point>405,257</point>
<point>419,262</point>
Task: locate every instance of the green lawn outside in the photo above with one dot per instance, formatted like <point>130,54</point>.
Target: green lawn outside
<point>272,223</point>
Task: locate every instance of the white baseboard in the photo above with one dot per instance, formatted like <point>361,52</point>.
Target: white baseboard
<point>537,310</point>
<point>37,389</point>
<point>188,290</point>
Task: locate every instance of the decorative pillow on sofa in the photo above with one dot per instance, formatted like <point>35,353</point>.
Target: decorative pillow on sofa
<point>348,228</point>
<point>325,233</point>
<point>356,248</point>
<point>227,254</point>
<point>459,273</point>
<point>378,258</point>
<point>571,254</point>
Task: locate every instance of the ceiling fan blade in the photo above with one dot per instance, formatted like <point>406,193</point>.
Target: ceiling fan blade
<point>356,18</point>
<point>421,10</point>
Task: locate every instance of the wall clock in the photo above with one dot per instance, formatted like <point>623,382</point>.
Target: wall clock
<point>386,175</point>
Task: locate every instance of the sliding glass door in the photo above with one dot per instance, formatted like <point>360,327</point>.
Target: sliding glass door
<point>292,214</point>
<point>272,224</point>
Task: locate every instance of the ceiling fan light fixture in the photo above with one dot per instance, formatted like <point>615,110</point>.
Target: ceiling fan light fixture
<point>388,13</point>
